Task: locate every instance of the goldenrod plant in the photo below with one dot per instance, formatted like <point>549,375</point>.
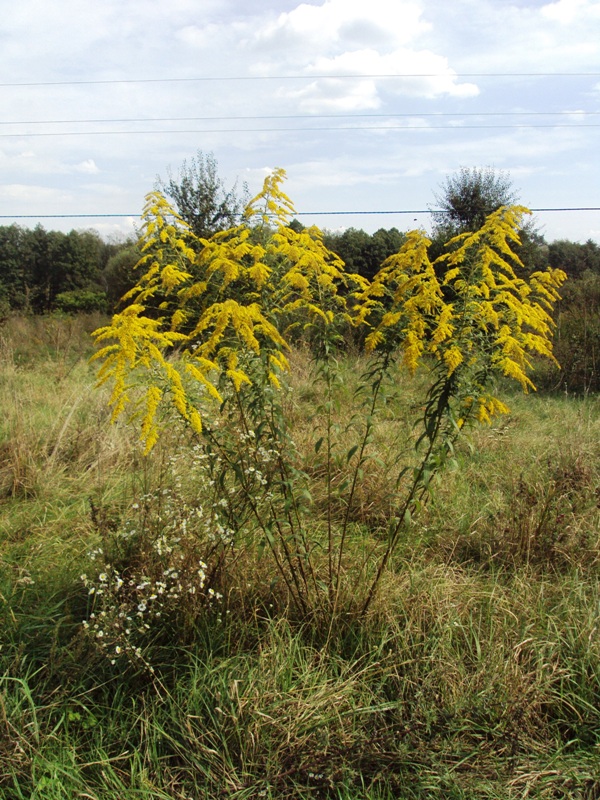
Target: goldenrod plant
<point>208,329</point>
<point>475,323</point>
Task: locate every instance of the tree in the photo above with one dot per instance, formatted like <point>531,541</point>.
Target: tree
<point>119,274</point>
<point>61,262</point>
<point>385,242</point>
<point>575,258</point>
<point>352,246</point>
<point>362,252</point>
<point>13,272</point>
<point>468,197</point>
<point>200,196</point>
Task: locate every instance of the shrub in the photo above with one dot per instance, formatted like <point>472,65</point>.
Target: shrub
<point>81,301</point>
<point>577,339</point>
<point>207,331</point>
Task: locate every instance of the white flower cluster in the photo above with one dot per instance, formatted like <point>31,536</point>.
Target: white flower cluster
<point>127,609</point>
<point>198,467</point>
<point>149,575</point>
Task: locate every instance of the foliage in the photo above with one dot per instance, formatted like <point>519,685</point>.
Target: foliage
<point>468,197</point>
<point>144,573</point>
<point>577,339</point>
<point>200,197</point>
<point>38,265</point>
<point>577,317</point>
<point>118,276</point>
<point>13,276</point>
<point>476,674</point>
<point>80,301</point>
<point>575,258</point>
<point>362,252</point>
<point>218,355</point>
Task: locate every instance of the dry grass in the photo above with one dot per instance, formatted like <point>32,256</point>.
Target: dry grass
<point>475,675</point>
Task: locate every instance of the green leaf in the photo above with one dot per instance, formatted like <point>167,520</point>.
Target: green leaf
<point>269,536</point>
<point>351,452</point>
<point>318,444</point>
<point>304,494</point>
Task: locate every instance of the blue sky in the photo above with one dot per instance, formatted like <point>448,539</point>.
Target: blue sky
<point>368,106</point>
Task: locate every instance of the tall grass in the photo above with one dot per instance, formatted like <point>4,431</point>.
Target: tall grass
<point>476,673</point>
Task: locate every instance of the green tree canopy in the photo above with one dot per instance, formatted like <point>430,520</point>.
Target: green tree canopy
<point>468,196</point>
<point>200,196</point>
<point>362,252</point>
<point>575,258</point>
<point>36,266</point>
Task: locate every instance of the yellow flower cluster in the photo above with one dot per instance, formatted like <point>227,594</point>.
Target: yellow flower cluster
<point>199,305</point>
<point>507,316</point>
<point>468,310</point>
<point>403,300</point>
<point>202,307</point>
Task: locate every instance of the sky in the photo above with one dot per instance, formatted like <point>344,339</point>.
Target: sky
<point>369,105</point>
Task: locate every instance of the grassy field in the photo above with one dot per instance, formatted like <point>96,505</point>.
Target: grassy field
<point>475,674</point>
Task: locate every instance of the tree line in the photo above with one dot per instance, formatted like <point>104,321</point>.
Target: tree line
<point>48,271</point>
<point>43,271</point>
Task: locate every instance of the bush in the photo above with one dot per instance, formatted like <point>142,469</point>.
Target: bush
<point>217,356</point>
<point>81,301</point>
<point>577,338</point>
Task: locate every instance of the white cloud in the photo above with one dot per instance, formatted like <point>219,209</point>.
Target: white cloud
<point>197,36</point>
<point>342,24</point>
<point>362,31</point>
<point>516,35</point>
<point>112,191</point>
<point>30,162</point>
<point>365,167</point>
<point>433,76</point>
<point>331,94</point>
<point>39,195</point>
<point>348,38</point>
<point>566,11</point>
<point>88,167</point>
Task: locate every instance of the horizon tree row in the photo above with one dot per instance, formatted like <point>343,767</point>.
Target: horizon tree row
<point>77,272</point>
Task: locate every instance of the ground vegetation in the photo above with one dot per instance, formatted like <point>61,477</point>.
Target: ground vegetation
<point>475,675</point>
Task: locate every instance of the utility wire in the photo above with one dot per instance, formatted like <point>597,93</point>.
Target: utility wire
<point>314,129</point>
<point>295,214</point>
<point>218,78</point>
<point>414,115</point>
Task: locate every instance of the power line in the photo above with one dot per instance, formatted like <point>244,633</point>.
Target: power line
<point>424,211</point>
<point>295,214</point>
<point>313,129</point>
<point>413,115</point>
<point>223,78</point>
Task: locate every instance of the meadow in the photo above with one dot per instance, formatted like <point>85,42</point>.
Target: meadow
<point>474,674</point>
